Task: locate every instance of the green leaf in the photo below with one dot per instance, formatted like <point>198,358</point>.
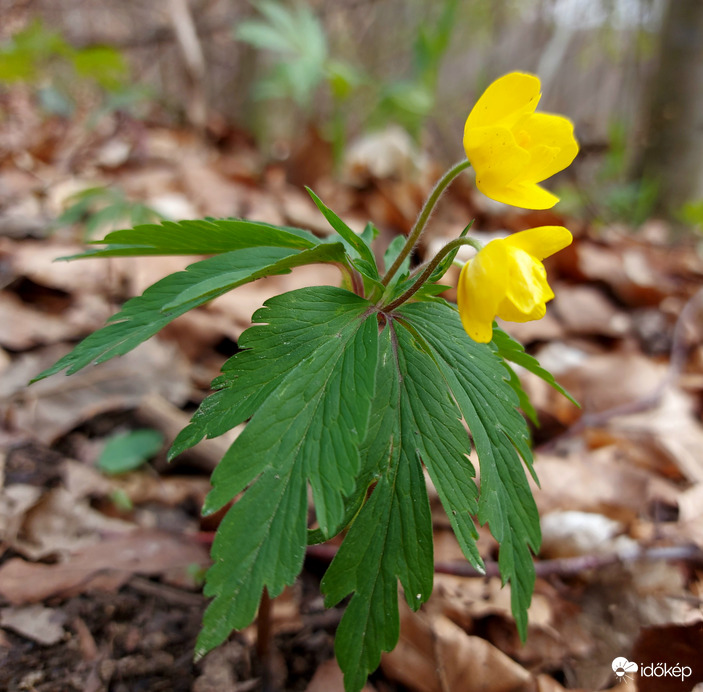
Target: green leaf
<point>128,451</point>
<point>506,347</point>
<point>201,237</point>
<point>413,421</point>
<point>369,234</point>
<point>105,65</point>
<point>352,239</point>
<point>307,429</point>
<point>298,37</point>
<point>477,379</point>
<point>143,316</point>
<point>524,401</point>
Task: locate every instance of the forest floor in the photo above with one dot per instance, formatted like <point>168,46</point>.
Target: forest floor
<point>101,575</point>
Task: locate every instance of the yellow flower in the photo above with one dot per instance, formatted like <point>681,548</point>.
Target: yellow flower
<point>512,148</point>
<point>506,279</point>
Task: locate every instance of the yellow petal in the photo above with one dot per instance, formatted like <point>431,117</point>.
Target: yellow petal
<point>508,312</point>
<point>542,241</point>
<point>481,288</point>
<point>495,154</point>
<point>552,145</point>
<point>526,288</point>
<point>523,195</point>
<point>497,158</point>
<point>509,98</point>
<point>506,279</point>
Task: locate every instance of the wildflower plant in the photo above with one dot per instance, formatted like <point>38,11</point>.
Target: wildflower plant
<point>353,392</point>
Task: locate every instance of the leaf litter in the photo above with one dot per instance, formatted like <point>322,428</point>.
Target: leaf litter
<point>99,577</point>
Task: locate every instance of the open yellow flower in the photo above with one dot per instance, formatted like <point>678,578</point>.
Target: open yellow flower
<point>512,148</point>
<point>507,279</point>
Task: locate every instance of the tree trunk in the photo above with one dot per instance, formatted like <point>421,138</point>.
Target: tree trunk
<point>672,150</point>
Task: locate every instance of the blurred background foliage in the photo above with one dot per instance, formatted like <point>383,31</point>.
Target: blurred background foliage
<point>281,69</point>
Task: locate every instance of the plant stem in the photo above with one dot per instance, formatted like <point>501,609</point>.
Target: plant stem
<point>263,640</point>
<point>429,269</point>
<point>424,216</point>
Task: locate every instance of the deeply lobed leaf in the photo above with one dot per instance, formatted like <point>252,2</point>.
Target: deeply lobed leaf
<point>199,237</point>
<point>307,427</point>
<point>477,378</point>
<point>414,420</point>
<point>143,316</point>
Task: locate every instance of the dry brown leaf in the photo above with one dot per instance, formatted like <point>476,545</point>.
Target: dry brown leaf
<point>81,480</point>
<point>29,327</point>
<point>105,565</point>
<point>674,426</point>
<point>56,524</point>
<point>471,664</point>
<point>547,684</point>
<point>218,668</point>
<point>436,655</point>
<point>40,624</point>
<point>37,260</point>
<point>328,678</point>
<point>549,328</point>
<point>674,646</point>
<point>592,382</point>
<point>628,271</point>
<point>213,194</point>
<point>389,153</point>
<point>53,407</point>
<point>15,501</point>
<point>413,661</point>
<point>690,523</point>
<point>602,481</point>
<point>584,310</point>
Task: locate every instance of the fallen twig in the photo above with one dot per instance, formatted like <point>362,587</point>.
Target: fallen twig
<point>567,566</point>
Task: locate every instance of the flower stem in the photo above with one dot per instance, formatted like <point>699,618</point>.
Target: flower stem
<point>424,216</point>
<point>429,269</point>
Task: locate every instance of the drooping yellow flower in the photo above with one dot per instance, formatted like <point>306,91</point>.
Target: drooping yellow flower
<point>507,279</point>
<point>512,148</point>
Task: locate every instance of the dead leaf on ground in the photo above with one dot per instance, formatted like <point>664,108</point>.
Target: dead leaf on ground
<point>38,261</point>
<point>329,678</point>
<point>674,425</point>
<point>55,524</point>
<point>214,194</point>
<point>603,481</point>
<point>54,406</point>
<point>35,622</point>
<point>436,655</point>
<point>592,382</point>
<point>584,310</point>
<point>106,565</point>
<point>29,327</point>
<point>628,271</point>
<point>219,666</point>
<point>673,646</point>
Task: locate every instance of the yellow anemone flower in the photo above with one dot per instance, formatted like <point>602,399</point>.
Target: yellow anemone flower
<point>512,148</point>
<point>506,279</point>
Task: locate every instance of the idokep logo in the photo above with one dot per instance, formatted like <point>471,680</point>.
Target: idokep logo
<point>623,668</point>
